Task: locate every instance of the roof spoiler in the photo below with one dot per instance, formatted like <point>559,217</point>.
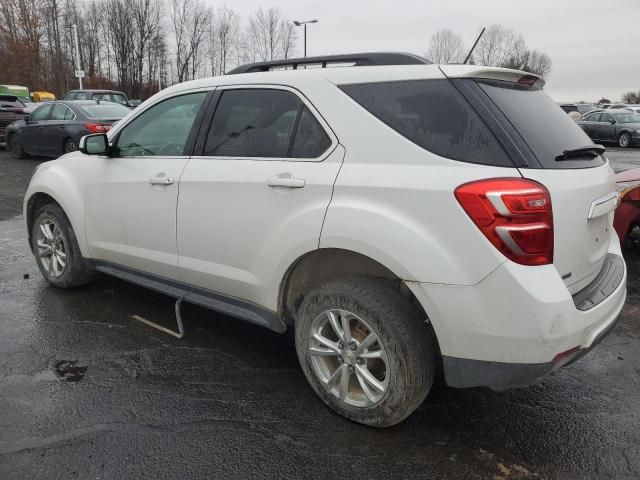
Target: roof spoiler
<point>493,73</point>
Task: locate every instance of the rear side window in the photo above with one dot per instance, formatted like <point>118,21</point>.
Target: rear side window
<point>546,129</point>
<point>433,115</point>
<point>311,140</point>
<point>61,112</point>
<point>70,96</point>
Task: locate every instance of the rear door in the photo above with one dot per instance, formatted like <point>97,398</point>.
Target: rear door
<point>256,195</point>
<point>582,232</point>
<point>54,133</point>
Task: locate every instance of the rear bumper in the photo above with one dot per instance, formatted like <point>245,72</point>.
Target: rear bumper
<point>508,330</point>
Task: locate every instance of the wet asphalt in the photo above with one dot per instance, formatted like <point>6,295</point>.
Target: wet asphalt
<point>86,392</point>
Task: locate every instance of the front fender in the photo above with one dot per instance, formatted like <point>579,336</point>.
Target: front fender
<point>63,180</point>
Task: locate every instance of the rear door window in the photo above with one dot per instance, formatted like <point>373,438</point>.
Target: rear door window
<point>546,129</point>
<point>433,115</point>
<point>60,112</point>
<point>253,123</point>
<point>595,117</point>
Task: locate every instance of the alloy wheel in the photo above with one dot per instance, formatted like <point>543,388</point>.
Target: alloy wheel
<point>52,249</point>
<point>624,140</point>
<point>348,358</point>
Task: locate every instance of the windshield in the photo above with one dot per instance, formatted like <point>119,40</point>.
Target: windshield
<point>105,110</point>
<point>546,129</point>
<point>627,117</point>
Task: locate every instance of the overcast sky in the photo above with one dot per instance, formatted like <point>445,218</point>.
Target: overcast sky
<point>594,44</point>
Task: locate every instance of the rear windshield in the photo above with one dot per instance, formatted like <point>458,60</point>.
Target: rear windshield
<point>545,127</point>
<point>10,101</point>
<point>112,111</point>
<point>433,115</point>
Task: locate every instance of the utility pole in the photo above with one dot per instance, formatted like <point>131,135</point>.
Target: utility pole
<point>79,72</point>
<point>304,23</point>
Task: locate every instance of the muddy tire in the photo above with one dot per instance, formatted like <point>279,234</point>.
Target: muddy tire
<point>56,249</point>
<point>366,352</point>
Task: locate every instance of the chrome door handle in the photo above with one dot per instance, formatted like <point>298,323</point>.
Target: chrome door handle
<point>286,180</point>
<point>161,180</point>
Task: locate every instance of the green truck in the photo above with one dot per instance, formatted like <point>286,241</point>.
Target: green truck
<point>21,92</point>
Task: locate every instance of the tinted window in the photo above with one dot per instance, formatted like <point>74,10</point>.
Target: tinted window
<point>542,125</point>
<point>60,112</point>
<point>595,117</point>
<point>69,96</point>
<point>432,114</point>
<point>163,129</point>
<point>110,97</point>
<point>253,123</point>
<point>41,113</point>
<point>107,111</point>
<point>310,140</point>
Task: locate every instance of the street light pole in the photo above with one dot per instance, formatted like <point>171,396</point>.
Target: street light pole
<point>75,39</point>
<point>304,23</point>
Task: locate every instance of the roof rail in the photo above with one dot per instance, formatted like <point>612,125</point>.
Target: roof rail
<point>357,59</point>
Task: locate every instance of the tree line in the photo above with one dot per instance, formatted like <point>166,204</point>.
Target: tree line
<point>499,46</point>
<point>133,45</point>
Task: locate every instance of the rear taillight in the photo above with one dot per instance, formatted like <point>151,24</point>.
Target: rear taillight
<point>514,214</point>
<point>97,127</point>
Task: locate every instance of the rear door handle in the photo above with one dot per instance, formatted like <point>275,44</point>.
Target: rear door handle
<point>161,180</point>
<point>286,180</point>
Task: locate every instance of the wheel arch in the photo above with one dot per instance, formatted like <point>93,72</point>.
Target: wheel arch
<point>316,267</point>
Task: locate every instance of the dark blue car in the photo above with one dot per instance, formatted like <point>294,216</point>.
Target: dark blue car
<point>54,128</point>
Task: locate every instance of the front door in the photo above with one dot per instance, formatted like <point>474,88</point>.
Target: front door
<point>131,196</point>
<point>257,194</point>
<point>31,133</point>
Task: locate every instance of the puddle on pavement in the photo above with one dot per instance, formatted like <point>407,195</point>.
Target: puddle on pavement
<point>69,370</point>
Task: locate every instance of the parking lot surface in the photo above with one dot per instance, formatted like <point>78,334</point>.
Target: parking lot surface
<point>87,392</point>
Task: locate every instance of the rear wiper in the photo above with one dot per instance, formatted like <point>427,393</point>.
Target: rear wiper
<point>594,150</point>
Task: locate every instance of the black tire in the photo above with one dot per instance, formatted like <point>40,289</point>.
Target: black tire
<point>15,147</point>
<point>624,140</point>
<point>408,341</point>
<point>77,271</point>
<point>69,146</point>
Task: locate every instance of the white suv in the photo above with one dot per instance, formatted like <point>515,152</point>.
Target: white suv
<point>404,218</point>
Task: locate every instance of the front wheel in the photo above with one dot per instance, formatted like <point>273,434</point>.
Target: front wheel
<point>15,147</point>
<point>624,140</point>
<point>56,249</point>
<point>365,351</point>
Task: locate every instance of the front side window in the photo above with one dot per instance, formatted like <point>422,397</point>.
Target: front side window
<point>253,123</point>
<point>162,130</point>
<point>41,113</point>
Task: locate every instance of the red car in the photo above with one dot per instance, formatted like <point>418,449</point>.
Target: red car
<point>627,216</point>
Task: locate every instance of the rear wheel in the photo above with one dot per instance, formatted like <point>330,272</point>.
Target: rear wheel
<point>15,147</point>
<point>624,139</point>
<point>70,146</point>
<point>56,249</point>
<point>365,351</point>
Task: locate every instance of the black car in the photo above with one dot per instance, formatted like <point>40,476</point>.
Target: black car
<point>11,110</point>
<point>55,128</point>
<point>104,95</point>
<point>615,126</point>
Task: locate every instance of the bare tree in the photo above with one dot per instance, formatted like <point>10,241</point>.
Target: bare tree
<point>497,46</point>
<point>269,35</point>
<point>631,97</point>
<point>227,28</point>
<point>445,46</point>
<point>191,20</point>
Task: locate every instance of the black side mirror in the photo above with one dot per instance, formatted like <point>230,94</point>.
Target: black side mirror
<point>27,118</point>
<point>612,121</point>
<point>95,144</point>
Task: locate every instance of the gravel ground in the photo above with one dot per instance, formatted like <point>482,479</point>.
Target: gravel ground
<point>86,392</point>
